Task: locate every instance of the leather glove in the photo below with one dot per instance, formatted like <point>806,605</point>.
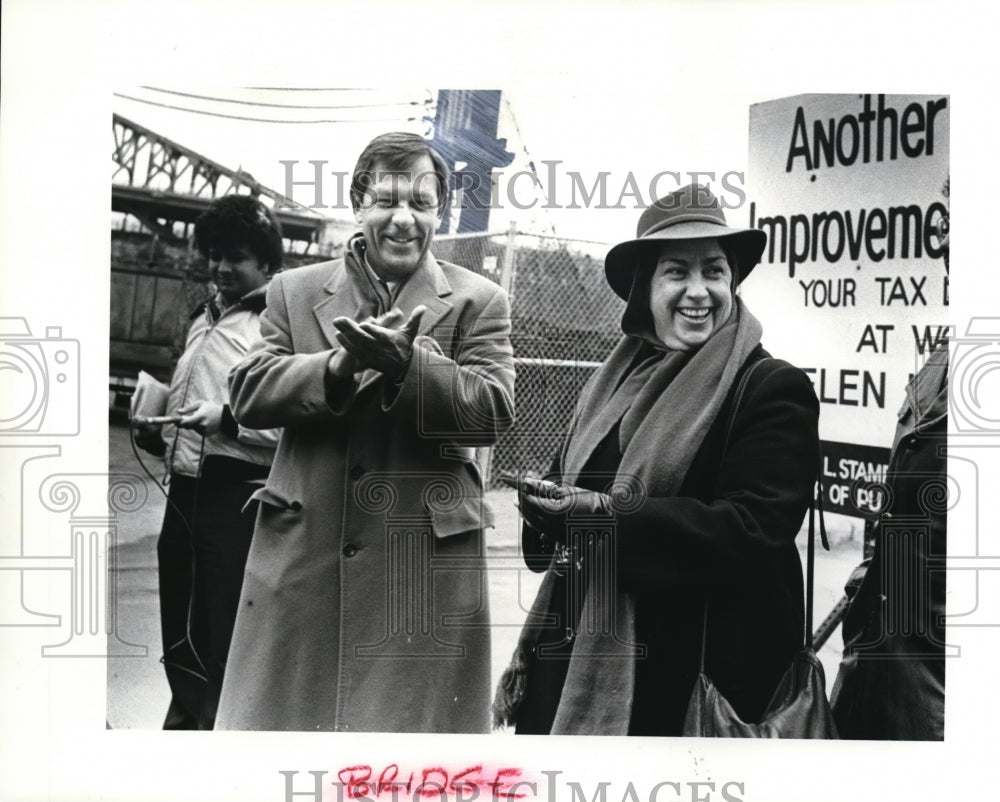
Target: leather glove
<point>551,513</point>
<point>857,576</point>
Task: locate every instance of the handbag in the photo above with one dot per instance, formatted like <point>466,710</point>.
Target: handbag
<point>799,707</point>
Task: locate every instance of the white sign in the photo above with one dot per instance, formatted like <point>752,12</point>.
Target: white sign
<point>853,285</point>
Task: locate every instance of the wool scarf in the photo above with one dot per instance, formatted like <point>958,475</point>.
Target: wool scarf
<point>665,402</point>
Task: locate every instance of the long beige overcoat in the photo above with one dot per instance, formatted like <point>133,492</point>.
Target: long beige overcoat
<point>364,604</point>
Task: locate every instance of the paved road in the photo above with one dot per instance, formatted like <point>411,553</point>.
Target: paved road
<point>137,690</point>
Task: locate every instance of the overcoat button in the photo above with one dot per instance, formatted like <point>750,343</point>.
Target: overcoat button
<point>357,472</point>
<point>350,550</point>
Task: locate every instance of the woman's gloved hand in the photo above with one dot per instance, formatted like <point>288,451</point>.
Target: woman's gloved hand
<point>546,508</point>
<point>857,576</point>
<point>550,513</point>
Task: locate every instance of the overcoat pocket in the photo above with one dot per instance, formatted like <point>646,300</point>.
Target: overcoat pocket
<point>274,498</point>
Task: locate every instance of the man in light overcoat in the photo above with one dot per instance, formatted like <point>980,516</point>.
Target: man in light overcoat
<point>364,603</point>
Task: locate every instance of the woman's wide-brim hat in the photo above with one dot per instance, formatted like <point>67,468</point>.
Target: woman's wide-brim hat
<point>691,212</point>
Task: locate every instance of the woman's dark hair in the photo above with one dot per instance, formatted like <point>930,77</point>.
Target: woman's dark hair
<point>728,245</point>
<point>396,151</point>
<point>240,221</point>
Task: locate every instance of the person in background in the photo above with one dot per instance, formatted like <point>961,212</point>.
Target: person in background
<point>670,535</point>
<point>891,682</point>
<point>364,606</point>
<point>212,462</point>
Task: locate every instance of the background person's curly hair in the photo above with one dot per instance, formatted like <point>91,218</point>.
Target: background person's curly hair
<point>240,221</point>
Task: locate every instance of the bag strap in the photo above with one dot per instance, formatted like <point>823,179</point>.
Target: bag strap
<point>815,503</point>
<point>741,388</point>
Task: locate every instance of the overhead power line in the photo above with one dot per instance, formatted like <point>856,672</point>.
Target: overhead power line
<point>262,119</point>
<point>537,183</point>
<point>313,88</point>
<point>287,105</point>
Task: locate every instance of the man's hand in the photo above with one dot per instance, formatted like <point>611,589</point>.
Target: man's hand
<point>378,344</point>
<point>204,417</point>
<point>343,364</point>
<point>148,438</point>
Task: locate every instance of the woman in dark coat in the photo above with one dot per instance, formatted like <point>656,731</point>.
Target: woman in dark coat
<point>676,508</point>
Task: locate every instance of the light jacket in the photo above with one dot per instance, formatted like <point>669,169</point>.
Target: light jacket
<point>215,343</point>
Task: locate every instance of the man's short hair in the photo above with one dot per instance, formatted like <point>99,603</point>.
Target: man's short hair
<point>240,221</point>
<point>396,151</point>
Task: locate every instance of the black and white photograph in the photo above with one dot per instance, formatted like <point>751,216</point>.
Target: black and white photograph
<point>425,382</point>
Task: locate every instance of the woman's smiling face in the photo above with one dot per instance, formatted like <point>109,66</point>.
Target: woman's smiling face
<point>691,295</point>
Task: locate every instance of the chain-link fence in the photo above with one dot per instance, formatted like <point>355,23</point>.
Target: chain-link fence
<point>565,321</point>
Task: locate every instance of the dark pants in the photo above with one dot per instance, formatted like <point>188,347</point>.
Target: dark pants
<point>202,552</point>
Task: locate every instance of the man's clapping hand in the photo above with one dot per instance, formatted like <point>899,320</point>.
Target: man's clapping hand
<point>342,364</point>
<point>379,344</point>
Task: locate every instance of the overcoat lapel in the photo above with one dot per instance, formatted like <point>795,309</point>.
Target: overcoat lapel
<point>427,286</point>
<point>345,298</point>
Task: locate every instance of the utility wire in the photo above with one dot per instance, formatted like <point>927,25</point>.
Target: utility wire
<point>531,161</point>
<point>286,105</point>
<point>312,88</point>
<point>259,119</point>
